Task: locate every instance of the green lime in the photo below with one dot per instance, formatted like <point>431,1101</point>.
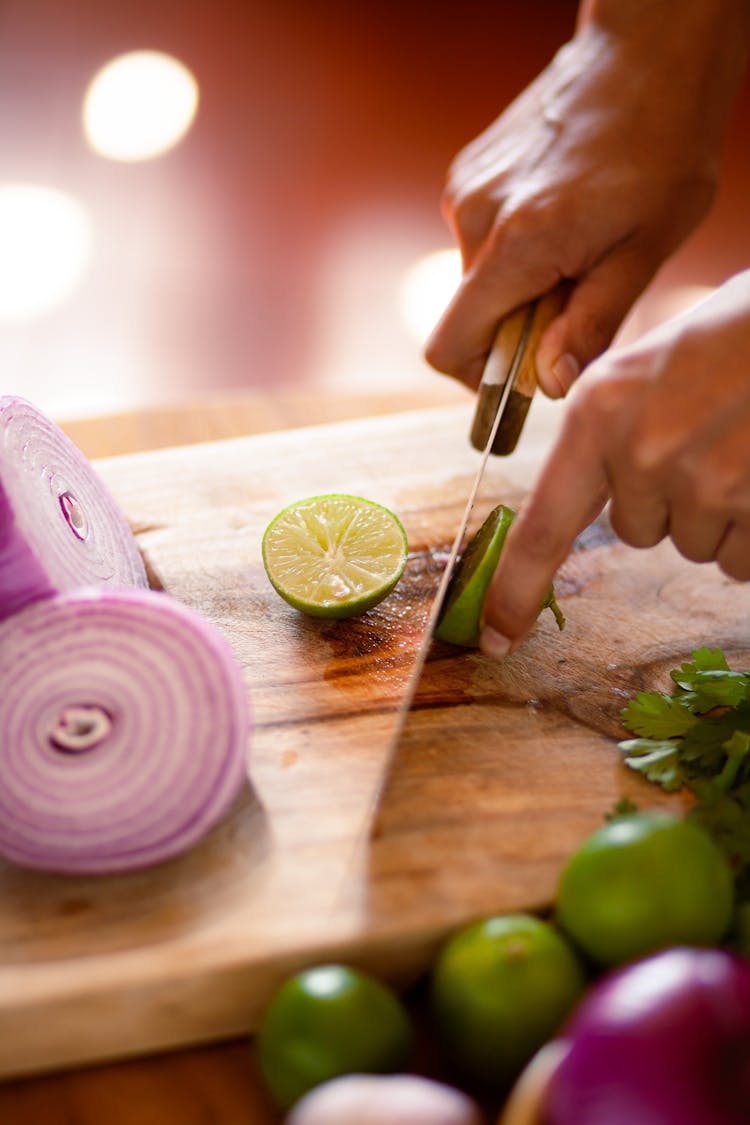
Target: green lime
<point>642,883</point>
<point>326,1021</point>
<point>501,988</point>
<point>460,620</point>
<point>334,556</point>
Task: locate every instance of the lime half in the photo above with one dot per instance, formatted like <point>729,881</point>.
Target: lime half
<point>460,620</point>
<point>335,555</point>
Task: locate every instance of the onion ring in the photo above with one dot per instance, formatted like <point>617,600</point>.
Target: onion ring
<point>59,526</point>
<point>124,727</point>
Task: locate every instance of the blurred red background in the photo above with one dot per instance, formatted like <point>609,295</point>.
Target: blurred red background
<point>267,248</point>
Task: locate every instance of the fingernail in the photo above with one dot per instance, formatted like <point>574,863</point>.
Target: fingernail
<point>566,370</point>
<point>494,644</point>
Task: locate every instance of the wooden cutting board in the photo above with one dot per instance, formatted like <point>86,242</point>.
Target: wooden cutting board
<point>509,766</point>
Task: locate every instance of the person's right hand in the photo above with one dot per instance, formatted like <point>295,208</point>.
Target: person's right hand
<point>595,173</point>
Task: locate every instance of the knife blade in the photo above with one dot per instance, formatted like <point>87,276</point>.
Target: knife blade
<point>503,400</point>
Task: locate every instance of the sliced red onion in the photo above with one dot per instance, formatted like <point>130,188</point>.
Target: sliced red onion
<point>59,526</point>
<point>124,726</point>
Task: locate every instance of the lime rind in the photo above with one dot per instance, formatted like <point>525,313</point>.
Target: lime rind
<point>460,617</point>
<point>500,988</point>
<point>460,620</point>
<point>329,1020</point>
<point>334,555</point>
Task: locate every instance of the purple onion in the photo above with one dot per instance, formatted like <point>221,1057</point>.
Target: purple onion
<point>124,726</point>
<point>59,526</point>
<point>664,1041</point>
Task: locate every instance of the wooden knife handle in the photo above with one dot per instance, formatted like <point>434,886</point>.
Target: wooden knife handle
<point>498,365</point>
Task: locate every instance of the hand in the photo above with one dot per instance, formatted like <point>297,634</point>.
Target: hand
<point>661,429</point>
<point>595,173</point>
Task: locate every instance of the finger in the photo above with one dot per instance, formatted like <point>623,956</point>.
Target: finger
<point>733,554</point>
<point>470,223</point>
<point>595,310</point>
<point>697,535</point>
<point>493,287</point>
<point>569,494</point>
<point>639,514</point>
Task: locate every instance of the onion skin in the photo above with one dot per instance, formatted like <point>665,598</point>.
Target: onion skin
<point>392,1099</point>
<point>124,727</point>
<point>663,1041</point>
<point>60,528</point>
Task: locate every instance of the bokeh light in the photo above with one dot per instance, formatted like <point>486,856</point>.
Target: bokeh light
<point>139,105</point>
<point>45,244</point>
<point>426,290</point>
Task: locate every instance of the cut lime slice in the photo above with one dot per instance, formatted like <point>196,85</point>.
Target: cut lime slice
<point>335,555</point>
<point>460,620</point>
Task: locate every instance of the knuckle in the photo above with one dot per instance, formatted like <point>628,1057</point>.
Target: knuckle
<point>436,355</point>
<point>460,202</point>
<point>631,530</point>
<point>697,554</point>
<point>627,426</point>
<point>735,567</point>
<point>599,399</point>
<point>707,493</point>
<point>692,549</point>
<point>520,223</point>
<point>712,487</point>
<point>733,555</point>
<point>469,212</point>
<point>597,329</point>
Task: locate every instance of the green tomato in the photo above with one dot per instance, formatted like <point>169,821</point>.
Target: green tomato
<point>501,988</point>
<point>642,883</point>
<point>326,1021</point>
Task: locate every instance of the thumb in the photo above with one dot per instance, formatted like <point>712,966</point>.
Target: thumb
<point>596,308</point>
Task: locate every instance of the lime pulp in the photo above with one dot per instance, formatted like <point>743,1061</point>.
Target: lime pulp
<point>334,555</point>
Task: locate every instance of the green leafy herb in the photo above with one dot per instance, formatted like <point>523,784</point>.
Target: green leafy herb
<point>701,732</point>
<point>657,716</point>
<point>727,818</point>
<point>655,760</point>
<point>699,739</point>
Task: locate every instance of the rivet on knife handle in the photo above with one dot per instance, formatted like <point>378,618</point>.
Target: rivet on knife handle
<point>510,336</point>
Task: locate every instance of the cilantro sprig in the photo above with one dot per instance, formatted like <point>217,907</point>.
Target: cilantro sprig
<point>698,738</point>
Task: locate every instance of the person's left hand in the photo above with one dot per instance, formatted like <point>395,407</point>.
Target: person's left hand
<point>661,429</point>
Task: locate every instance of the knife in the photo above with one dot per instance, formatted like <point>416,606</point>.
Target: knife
<point>503,400</point>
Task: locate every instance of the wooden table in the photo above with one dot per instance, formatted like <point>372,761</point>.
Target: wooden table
<point>215,1083</point>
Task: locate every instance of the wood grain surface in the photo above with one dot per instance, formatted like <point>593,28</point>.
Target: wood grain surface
<point>507,766</point>
<point>210,1082</point>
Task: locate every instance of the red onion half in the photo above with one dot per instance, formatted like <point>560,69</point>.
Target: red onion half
<point>664,1041</point>
<point>59,526</point>
<point>124,725</point>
